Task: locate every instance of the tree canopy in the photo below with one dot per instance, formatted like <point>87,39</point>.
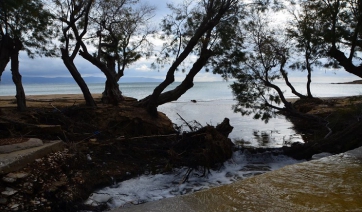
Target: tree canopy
<point>25,25</point>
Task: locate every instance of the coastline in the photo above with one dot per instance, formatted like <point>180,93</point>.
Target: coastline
<point>120,158</point>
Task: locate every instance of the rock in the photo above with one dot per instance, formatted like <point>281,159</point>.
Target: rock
<point>9,192</point>
<point>9,179</point>
<point>14,207</point>
<point>18,175</point>
<point>32,142</point>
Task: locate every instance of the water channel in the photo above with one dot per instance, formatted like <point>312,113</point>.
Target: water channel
<point>329,184</point>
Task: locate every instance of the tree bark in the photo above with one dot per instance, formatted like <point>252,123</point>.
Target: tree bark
<point>112,94</point>
<point>78,78</point>
<point>188,82</point>
<point>309,92</point>
<point>5,52</point>
<point>20,94</point>
<point>345,62</point>
<point>295,92</point>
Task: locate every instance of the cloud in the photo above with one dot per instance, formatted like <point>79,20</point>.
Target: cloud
<point>143,68</point>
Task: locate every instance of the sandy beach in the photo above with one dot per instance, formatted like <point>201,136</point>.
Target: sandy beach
<point>45,100</point>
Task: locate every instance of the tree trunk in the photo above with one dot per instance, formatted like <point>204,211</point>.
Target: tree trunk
<point>112,94</point>
<point>20,94</point>
<point>295,92</point>
<point>78,78</point>
<point>204,27</point>
<point>309,93</point>
<point>288,105</point>
<point>111,88</point>
<point>188,82</point>
<point>5,52</point>
<point>345,62</point>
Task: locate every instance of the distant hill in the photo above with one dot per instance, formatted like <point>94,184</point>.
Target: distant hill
<point>6,79</point>
<point>353,82</point>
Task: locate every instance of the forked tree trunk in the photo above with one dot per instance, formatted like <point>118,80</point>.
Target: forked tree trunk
<point>78,78</point>
<point>20,94</point>
<point>295,92</point>
<point>112,95</point>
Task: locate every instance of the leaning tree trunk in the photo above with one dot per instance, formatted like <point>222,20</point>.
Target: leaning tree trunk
<point>5,52</point>
<point>78,78</point>
<point>205,27</point>
<point>188,82</point>
<point>20,94</point>
<point>295,92</point>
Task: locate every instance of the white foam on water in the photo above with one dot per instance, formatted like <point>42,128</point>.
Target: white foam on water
<point>146,188</point>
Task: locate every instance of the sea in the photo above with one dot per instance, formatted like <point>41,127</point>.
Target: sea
<point>213,102</point>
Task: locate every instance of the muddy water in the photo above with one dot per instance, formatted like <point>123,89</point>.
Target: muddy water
<point>328,184</point>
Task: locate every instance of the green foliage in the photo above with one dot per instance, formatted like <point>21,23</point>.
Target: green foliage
<point>339,26</point>
<point>225,40</point>
<point>30,22</point>
<point>121,31</point>
<point>255,70</point>
<point>303,31</point>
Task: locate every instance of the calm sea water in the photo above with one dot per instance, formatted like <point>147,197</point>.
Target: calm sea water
<point>203,91</point>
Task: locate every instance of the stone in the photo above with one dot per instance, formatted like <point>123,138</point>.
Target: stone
<point>15,207</point>
<point>9,192</point>
<point>9,179</point>
<point>32,142</point>
<point>19,175</point>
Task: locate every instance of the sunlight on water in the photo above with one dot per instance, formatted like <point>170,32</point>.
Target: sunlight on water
<point>328,184</point>
<point>276,133</point>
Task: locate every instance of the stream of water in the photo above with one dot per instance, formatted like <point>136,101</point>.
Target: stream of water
<point>328,184</point>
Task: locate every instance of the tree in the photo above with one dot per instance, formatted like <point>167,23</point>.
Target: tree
<point>310,46</point>
<point>74,15</point>
<point>264,63</point>
<point>121,33</point>
<point>203,29</point>
<point>341,31</point>
<point>24,26</point>
<point>122,28</point>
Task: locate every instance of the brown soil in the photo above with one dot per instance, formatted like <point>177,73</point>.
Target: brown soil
<point>103,146</point>
<point>340,130</point>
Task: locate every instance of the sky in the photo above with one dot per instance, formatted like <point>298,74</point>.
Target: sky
<point>54,67</point>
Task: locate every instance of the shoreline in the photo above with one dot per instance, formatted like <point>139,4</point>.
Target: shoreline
<point>99,95</point>
<point>101,134</point>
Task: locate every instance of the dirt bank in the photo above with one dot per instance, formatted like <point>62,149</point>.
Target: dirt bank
<point>104,145</point>
<point>339,131</point>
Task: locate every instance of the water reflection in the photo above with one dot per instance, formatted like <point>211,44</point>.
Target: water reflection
<point>269,139</point>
